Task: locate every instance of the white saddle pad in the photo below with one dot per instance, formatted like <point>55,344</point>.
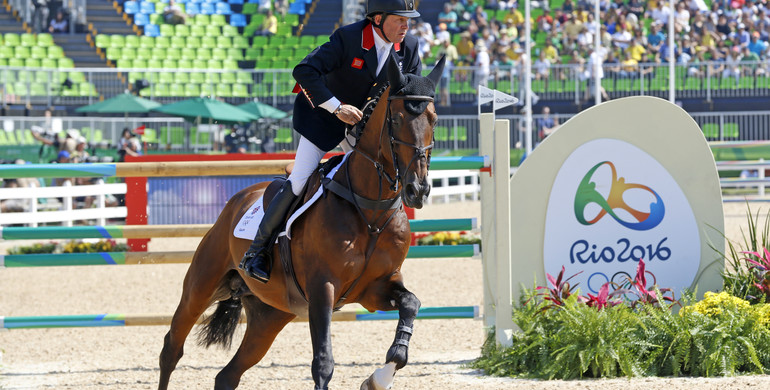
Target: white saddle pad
<point>247,226</point>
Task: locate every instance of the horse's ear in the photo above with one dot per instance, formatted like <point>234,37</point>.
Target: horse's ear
<point>435,74</point>
<point>396,79</point>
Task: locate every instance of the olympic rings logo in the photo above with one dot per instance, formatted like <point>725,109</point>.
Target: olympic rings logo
<point>587,194</point>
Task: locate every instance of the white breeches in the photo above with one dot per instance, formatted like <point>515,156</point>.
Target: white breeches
<point>307,159</point>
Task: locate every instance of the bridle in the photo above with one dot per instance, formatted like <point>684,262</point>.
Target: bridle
<point>420,151</point>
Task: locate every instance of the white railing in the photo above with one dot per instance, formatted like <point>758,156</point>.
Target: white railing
<point>755,175</point>
<point>64,211</point>
<point>454,185</point>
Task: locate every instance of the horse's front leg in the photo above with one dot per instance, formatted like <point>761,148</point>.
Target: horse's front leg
<point>398,354</point>
<point>321,302</point>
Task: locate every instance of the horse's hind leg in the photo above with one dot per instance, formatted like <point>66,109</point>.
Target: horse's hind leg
<point>263,323</point>
<point>203,279</point>
<point>398,354</point>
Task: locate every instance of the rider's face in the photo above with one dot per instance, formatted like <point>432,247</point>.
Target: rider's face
<point>395,27</point>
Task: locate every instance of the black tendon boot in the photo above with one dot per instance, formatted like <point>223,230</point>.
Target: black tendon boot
<point>257,260</point>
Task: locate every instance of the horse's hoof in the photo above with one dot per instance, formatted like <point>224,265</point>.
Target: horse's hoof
<point>381,379</point>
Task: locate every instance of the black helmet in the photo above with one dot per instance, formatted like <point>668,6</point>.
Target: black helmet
<point>395,7</point>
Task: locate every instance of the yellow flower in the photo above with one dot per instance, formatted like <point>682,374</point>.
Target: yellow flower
<point>713,304</point>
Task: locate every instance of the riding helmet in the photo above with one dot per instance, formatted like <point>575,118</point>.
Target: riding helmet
<point>394,7</point>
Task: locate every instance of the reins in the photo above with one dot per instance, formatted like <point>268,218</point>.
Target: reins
<point>373,227</point>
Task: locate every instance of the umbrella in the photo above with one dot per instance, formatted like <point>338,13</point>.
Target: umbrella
<point>121,104</point>
<point>262,110</point>
<point>198,109</point>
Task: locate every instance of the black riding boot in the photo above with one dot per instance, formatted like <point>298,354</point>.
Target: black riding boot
<point>257,260</point>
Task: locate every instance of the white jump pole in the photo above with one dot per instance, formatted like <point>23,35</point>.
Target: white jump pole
<point>501,171</point>
<point>488,214</point>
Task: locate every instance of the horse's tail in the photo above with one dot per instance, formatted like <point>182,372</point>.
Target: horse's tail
<point>219,327</point>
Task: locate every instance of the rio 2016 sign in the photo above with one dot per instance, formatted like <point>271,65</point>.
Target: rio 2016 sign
<point>630,179</point>
<point>604,216</point>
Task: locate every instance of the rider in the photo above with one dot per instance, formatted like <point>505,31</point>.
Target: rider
<point>334,81</point>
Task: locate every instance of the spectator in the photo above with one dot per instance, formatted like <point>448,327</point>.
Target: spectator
<point>465,48</point>
<point>482,64</point>
<point>448,50</point>
<point>622,38</point>
<point>39,15</point>
<point>269,25</point>
<point>655,38</point>
<point>12,205</point>
<point>442,35</point>
<point>635,7</point>
<point>480,17</point>
<point>723,28</point>
<point>68,143</point>
<point>281,7</point>
<point>264,6</point>
<point>237,140</point>
<point>80,149</point>
<point>731,66</point>
<point>128,145</point>
<point>636,50</point>
<point>173,14</point>
<point>757,46</point>
<point>595,67</point>
<point>750,62</point>
<point>571,31</point>
<point>59,24</point>
<point>449,17</point>
<point>546,124</point>
<point>509,32</point>
<point>681,19</point>
<point>542,66</point>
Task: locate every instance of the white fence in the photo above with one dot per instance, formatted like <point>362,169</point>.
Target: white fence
<point>57,204</point>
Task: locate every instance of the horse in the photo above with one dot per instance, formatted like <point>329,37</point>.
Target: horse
<point>347,247</point>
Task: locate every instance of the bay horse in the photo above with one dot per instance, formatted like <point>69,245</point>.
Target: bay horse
<point>347,247</point>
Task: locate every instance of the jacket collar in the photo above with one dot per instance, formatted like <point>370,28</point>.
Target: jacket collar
<point>367,38</point>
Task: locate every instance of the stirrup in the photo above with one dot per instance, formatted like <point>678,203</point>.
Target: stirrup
<point>246,265</point>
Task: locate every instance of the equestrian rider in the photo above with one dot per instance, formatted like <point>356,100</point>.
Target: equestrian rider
<point>334,81</point>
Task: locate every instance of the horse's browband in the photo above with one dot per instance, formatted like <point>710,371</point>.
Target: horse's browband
<point>411,97</point>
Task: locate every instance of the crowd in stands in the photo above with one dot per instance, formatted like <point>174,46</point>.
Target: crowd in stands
<point>730,35</point>
<point>49,16</point>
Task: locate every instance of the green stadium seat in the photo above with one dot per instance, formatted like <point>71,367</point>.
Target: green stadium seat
<point>283,135</point>
<point>208,42</point>
<point>144,53</point>
<point>87,89</point>
<point>49,63</point>
<point>230,65</point>
<point>132,41</point>
<point>184,64</point>
<point>42,76</point>
<point>243,78</point>
<point>259,41</point>
<point>321,39</point>
<point>166,77</point>
<point>291,19</point>
<point>173,53</point>
<point>292,42</point>
<point>11,39</point>
<point>117,41</point>
<point>240,42</point>
<point>731,130</point>
<point>102,41</point>
<point>27,39</point>
<point>140,63</point>
<point>181,30</point>
<point>307,40</point>
<point>212,77</point>
<point>193,42</point>
<point>133,76</point>
<point>240,90</point>
<point>208,89</point>
<point>230,31</point>
<point>219,54</point>
<point>235,54</point>
<point>197,30</point>
<point>178,42</point>
<point>218,20</point>
<point>157,19</point>
<point>66,63</point>
<point>37,89</point>
<point>202,20</point>
<point>21,52</point>
<point>176,89</point>
<point>181,77</point>
<point>227,78</point>
<point>746,82</point>
<point>162,42</point>
<point>200,64</point>
<point>124,63</point>
<point>150,135</point>
<point>167,30</point>
<point>25,76</point>
<point>128,53</point>
<point>55,52</point>
<point>196,77</point>
<point>213,31</point>
<point>6,51</point>
<point>169,64</point>
<point>270,52</point>
<point>45,40</point>
<point>284,30</point>
<point>224,42</point>
<point>188,54</point>
<point>214,64</point>
<point>728,83</point>
<point>250,8</point>
<point>192,90</point>
<point>224,90</point>
<point>253,53</point>
<point>38,52</point>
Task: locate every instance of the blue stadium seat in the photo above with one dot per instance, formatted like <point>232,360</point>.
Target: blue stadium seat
<point>297,7</point>
<point>152,30</point>
<point>147,7</point>
<point>238,20</point>
<point>208,8</point>
<point>193,8</point>
<point>223,9</point>
<point>131,7</point>
<point>231,2</point>
<point>141,19</point>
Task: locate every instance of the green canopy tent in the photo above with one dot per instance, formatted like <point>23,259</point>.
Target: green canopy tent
<point>213,111</point>
<point>121,104</point>
<point>267,115</point>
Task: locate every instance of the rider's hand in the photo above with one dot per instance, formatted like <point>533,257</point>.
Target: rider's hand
<point>349,114</point>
